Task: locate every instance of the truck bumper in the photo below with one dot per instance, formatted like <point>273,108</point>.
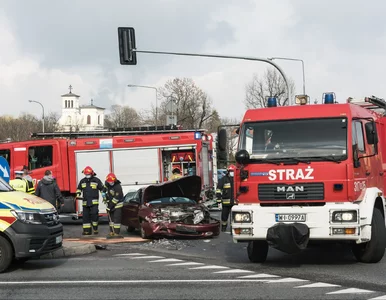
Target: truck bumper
<point>318,222</point>
<point>34,240</point>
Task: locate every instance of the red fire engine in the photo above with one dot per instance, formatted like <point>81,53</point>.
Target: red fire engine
<point>138,156</point>
<point>311,174</point>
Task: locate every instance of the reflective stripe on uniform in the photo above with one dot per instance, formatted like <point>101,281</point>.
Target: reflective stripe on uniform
<point>119,205</point>
<point>226,201</point>
<point>86,225</point>
<point>117,225</point>
<point>84,203</point>
<point>94,185</point>
<point>227,186</point>
<point>95,224</point>
<point>115,201</point>
<point>95,202</point>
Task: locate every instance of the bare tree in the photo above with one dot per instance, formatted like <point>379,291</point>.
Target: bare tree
<point>271,84</point>
<point>214,122</point>
<point>122,116</point>
<point>230,125</point>
<point>194,107</point>
<point>51,122</point>
<point>18,129</point>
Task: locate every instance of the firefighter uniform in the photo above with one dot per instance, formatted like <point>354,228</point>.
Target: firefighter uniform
<point>176,174</point>
<point>22,184</point>
<point>90,186</point>
<point>225,193</point>
<point>114,200</point>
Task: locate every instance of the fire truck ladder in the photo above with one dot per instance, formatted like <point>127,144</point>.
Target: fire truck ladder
<point>372,103</point>
<point>141,130</point>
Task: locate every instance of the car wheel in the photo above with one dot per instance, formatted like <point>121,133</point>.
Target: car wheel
<point>6,254</point>
<point>143,232</point>
<point>373,251</point>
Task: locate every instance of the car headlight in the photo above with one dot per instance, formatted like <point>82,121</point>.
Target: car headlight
<point>27,217</point>
<point>242,217</point>
<point>344,216</point>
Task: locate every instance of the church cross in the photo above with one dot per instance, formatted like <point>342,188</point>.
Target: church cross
<point>70,87</point>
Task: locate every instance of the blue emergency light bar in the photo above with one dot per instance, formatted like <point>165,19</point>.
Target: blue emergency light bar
<point>271,102</point>
<point>329,98</point>
<point>197,135</point>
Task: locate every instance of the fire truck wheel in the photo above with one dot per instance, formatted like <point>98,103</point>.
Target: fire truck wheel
<point>257,251</point>
<point>130,229</point>
<point>373,251</point>
<point>69,205</point>
<point>6,254</point>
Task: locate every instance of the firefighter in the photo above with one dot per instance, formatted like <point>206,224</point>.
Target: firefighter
<point>225,193</point>
<point>176,174</point>
<point>90,185</point>
<point>114,201</point>
<point>19,183</point>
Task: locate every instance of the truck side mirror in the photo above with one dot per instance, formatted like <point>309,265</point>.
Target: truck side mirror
<point>371,133</point>
<point>222,139</point>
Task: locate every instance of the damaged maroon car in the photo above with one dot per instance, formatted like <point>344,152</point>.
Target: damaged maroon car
<point>169,209</point>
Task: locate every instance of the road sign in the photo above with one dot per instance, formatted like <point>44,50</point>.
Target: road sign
<point>4,169</point>
<point>171,119</point>
<point>171,106</point>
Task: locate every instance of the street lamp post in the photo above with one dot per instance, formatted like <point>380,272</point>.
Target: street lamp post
<point>156,99</point>
<point>42,109</point>
<point>294,59</point>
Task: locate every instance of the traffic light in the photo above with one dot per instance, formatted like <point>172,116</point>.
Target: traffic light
<point>126,39</point>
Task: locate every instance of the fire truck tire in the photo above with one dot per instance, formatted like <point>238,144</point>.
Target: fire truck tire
<point>69,205</point>
<point>6,254</point>
<point>257,251</point>
<point>374,250</point>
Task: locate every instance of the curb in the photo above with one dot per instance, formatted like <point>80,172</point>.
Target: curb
<point>103,240</point>
<point>70,249</point>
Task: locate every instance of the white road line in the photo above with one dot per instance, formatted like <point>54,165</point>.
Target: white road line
<point>129,254</point>
<point>150,256</point>
<point>208,267</point>
<point>317,285</point>
<point>165,260</point>
<point>351,291</point>
<point>288,279</point>
<point>261,275</point>
<point>186,264</point>
<point>107,282</point>
<point>383,297</point>
<point>233,271</point>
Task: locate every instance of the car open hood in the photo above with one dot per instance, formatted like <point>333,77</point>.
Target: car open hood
<point>188,187</point>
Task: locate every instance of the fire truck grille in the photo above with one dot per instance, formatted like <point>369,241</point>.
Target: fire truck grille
<point>291,192</point>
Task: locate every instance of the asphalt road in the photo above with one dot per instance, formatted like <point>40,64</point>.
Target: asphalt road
<point>329,264</point>
<point>118,273</point>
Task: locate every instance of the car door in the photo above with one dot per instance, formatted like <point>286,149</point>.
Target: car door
<point>131,209</point>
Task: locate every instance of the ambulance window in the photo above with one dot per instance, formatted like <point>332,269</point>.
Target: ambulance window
<point>6,154</point>
<point>40,157</point>
<point>357,135</point>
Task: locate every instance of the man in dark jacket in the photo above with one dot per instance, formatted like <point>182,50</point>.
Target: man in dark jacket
<point>225,192</point>
<point>48,189</point>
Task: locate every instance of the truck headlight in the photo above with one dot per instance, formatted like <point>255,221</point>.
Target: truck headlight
<point>242,217</point>
<point>349,216</point>
<point>27,217</point>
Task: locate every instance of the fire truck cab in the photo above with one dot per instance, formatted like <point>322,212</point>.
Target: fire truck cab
<point>139,156</point>
<point>311,174</point>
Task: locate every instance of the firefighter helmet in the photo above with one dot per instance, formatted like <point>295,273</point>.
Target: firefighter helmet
<point>88,171</point>
<point>231,168</point>
<point>111,178</point>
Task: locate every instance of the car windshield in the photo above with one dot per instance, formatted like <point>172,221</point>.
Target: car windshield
<point>312,139</point>
<point>4,186</point>
<point>172,200</point>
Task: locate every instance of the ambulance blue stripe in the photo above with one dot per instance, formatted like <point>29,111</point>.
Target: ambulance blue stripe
<point>27,208</point>
<point>3,206</point>
<point>13,206</point>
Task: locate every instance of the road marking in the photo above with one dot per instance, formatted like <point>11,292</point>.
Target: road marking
<point>209,267</point>
<point>350,291</point>
<point>129,254</point>
<point>107,282</point>
<point>186,264</point>
<point>165,260</point>
<point>317,285</point>
<point>233,271</point>
<point>379,298</point>
<point>150,256</point>
<point>261,275</point>
<point>288,279</point>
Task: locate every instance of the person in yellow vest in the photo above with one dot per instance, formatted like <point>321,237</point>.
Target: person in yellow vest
<point>19,183</point>
<point>26,176</point>
<point>176,174</point>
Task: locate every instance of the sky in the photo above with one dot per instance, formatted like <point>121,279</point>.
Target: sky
<point>47,45</point>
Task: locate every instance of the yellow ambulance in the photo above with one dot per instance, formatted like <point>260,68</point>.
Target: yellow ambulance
<point>29,226</point>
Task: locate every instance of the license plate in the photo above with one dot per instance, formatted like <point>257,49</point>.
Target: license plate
<point>58,239</point>
<point>290,217</point>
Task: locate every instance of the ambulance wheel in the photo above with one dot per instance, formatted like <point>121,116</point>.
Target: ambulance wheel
<point>373,251</point>
<point>6,254</point>
<point>257,251</point>
<point>69,205</point>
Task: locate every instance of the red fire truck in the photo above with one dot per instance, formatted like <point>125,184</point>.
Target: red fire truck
<point>309,174</point>
<point>139,156</point>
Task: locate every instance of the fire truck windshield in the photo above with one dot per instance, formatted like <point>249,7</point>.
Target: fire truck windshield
<point>4,186</point>
<point>313,139</point>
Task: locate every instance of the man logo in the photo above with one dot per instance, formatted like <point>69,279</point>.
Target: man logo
<point>290,196</point>
<point>296,188</point>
